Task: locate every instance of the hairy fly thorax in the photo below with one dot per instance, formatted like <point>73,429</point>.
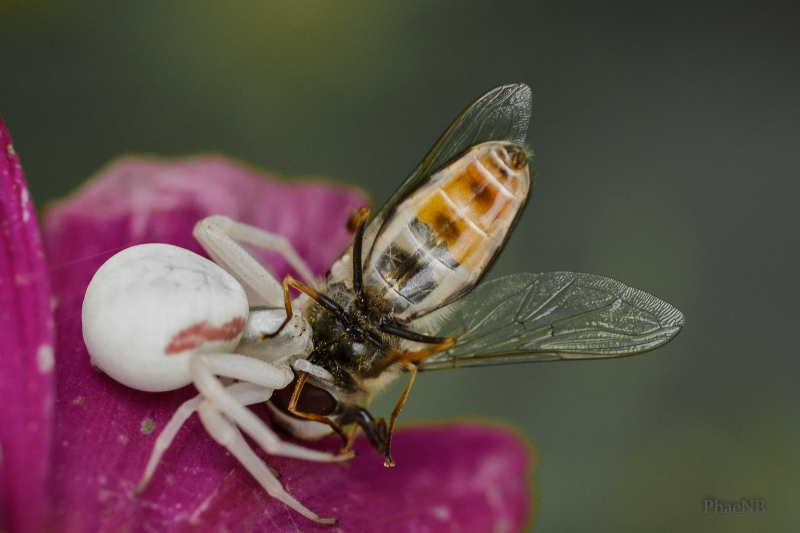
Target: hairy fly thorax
<point>350,345</point>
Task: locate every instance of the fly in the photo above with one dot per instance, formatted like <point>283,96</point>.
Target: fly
<point>390,304</point>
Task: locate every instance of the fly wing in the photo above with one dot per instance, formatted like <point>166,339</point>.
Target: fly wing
<point>554,316</point>
<point>502,114</point>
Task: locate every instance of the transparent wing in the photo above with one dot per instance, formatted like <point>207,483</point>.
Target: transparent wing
<point>501,114</point>
<point>553,316</point>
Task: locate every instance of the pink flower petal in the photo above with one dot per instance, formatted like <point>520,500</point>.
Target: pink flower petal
<point>467,477</point>
<point>26,353</point>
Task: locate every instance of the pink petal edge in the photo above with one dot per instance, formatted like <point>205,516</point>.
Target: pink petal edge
<point>26,353</point>
<point>463,476</point>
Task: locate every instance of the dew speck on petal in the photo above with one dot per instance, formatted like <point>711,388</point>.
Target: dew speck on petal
<point>45,358</point>
<point>25,205</point>
<point>441,512</point>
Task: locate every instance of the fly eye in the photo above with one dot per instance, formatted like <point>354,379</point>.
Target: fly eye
<point>312,399</point>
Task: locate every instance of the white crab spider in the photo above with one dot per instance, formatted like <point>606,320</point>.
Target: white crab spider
<point>157,317</point>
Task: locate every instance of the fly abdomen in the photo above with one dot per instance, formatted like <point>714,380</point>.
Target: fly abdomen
<point>407,272</point>
<point>438,242</point>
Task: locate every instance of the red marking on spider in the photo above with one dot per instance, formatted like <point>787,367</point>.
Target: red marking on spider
<point>203,332</point>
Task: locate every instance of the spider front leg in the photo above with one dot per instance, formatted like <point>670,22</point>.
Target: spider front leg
<point>221,236</point>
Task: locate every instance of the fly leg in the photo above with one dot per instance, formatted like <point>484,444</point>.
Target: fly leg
<point>407,359</point>
<point>387,451</point>
<point>298,388</point>
<point>324,301</point>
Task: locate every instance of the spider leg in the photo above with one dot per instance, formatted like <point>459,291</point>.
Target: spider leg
<point>245,393</point>
<point>225,433</point>
<point>259,283</point>
<point>249,369</point>
<point>247,234</point>
<point>165,438</point>
<point>213,391</point>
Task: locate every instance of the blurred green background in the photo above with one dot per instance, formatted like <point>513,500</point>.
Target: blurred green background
<point>667,145</point>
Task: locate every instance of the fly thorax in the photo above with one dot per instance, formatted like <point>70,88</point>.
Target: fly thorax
<point>340,345</point>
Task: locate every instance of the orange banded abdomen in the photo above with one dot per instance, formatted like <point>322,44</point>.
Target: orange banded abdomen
<point>436,243</point>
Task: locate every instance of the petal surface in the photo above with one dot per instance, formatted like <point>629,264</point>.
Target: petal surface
<point>26,353</point>
<point>469,477</point>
